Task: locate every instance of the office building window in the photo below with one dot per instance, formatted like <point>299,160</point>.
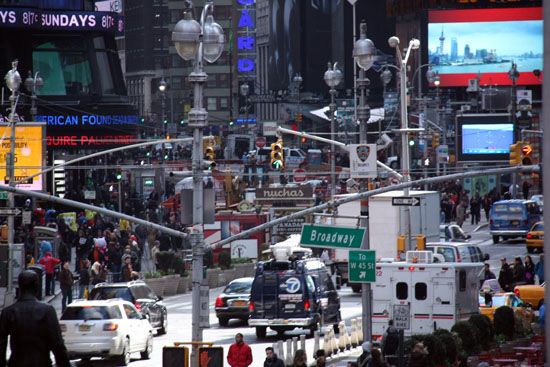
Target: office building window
<point>224,103</point>
<point>212,103</point>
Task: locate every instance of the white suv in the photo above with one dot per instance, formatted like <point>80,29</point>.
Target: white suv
<point>111,328</point>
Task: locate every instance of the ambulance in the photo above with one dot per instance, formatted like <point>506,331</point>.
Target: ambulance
<point>438,294</point>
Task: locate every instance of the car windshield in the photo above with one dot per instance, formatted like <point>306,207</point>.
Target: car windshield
<point>91,313</point>
<point>447,252</point>
<point>538,227</point>
<point>112,292</point>
<point>238,288</point>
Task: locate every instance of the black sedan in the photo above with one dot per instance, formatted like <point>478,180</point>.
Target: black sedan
<point>234,300</point>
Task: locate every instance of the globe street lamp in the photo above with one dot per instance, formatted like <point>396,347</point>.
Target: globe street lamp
<point>34,85</point>
<point>163,86</point>
<point>198,41</point>
<point>513,74</point>
<point>333,77</point>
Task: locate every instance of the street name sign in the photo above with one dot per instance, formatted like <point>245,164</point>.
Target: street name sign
<point>331,236</point>
<point>361,266</point>
<point>3,195</point>
<point>405,201</point>
<point>402,317</point>
<point>9,211</point>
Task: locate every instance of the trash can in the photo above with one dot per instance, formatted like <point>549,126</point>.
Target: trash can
<point>40,271</point>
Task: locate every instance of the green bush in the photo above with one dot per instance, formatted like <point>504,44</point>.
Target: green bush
<point>467,336</point>
<point>179,266</point>
<point>224,260</point>
<point>504,322</point>
<point>436,350</point>
<point>484,328</point>
<point>240,260</point>
<point>519,330</point>
<point>451,344</point>
<point>165,261</point>
<point>208,259</point>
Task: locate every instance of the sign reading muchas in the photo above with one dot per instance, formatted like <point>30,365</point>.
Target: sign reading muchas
<point>304,192</point>
<point>60,20</point>
<point>331,236</point>
<point>246,39</point>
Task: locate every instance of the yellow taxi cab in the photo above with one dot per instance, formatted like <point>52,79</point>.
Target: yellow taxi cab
<point>505,299</point>
<point>535,238</point>
<point>532,294</point>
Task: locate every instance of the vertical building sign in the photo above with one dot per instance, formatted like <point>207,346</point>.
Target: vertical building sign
<point>246,39</point>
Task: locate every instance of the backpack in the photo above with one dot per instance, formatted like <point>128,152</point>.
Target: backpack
<point>392,341</point>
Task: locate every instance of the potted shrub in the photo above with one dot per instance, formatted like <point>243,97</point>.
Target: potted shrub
<point>484,329</point>
<point>467,336</point>
<point>504,322</point>
<point>450,343</point>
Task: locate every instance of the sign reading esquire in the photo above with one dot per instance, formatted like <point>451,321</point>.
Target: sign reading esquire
<point>29,153</point>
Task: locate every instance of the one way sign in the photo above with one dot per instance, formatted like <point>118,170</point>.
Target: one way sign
<point>405,201</point>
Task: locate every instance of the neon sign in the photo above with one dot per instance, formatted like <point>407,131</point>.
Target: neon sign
<point>246,39</point>
<point>88,120</point>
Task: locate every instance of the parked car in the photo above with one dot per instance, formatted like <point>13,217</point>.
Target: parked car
<point>458,252</point>
<point>107,329</point>
<point>233,302</point>
<point>509,299</point>
<point>512,218</point>
<point>141,296</point>
<point>532,294</point>
<point>535,238</point>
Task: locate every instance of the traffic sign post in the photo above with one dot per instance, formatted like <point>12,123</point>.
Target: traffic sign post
<point>10,211</point>
<point>299,175</point>
<point>331,236</point>
<point>401,321</point>
<point>405,201</point>
<point>361,266</point>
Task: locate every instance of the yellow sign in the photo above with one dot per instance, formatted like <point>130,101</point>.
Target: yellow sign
<point>29,151</point>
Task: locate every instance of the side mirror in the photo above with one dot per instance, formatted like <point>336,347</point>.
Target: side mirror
<point>486,257</point>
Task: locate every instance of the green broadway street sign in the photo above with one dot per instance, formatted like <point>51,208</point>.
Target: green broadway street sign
<point>330,236</point>
<point>361,266</point>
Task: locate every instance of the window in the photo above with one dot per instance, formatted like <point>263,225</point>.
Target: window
<point>447,252</point>
<point>238,288</point>
<point>420,291</point>
<point>176,15</point>
<point>109,293</point>
<point>223,80</point>
<point>402,290</point>
<point>92,313</point>
<point>462,280</point>
<point>212,103</point>
<point>64,66</point>
<point>224,103</point>
<point>211,82</point>
<point>131,312</point>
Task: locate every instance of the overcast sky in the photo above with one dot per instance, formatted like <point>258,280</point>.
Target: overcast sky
<point>508,38</point>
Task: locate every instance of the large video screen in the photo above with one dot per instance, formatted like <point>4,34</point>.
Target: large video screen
<point>484,137</point>
<point>463,44</point>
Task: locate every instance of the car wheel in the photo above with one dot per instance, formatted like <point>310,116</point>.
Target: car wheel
<point>146,354</point>
<point>496,239</point>
<point>261,331</point>
<point>223,321</point>
<point>124,358</point>
<point>164,325</point>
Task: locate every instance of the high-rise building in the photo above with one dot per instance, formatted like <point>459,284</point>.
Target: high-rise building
<point>467,53</point>
<point>454,49</point>
<point>442,43</point>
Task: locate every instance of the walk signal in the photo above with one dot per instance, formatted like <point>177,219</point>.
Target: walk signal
<point>209,154</point>
<point>277,156</point>
<point>118,175</point>
<point>526,151</point>
<point>435,140</point>
<point>515,154</point>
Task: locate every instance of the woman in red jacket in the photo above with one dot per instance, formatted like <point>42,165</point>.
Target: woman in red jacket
<point>240,354</point>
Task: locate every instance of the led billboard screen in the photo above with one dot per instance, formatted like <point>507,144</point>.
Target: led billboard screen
<point>484,137</point>
<point>465,43</point>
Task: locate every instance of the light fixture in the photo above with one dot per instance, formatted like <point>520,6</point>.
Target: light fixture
<point>386,76</point>
<point>213,40</point>
<point>297,78</point>
<point>513,73</point>
<point>364,50</point>
<point>12,78</point>
<point>393,41</point>
<point>186,36</point>
<point>163,86</point>
<point>437,79</point>
<point>34,84</point>
<point>430,75</point>
<point>333,76</point>
<point>245,89</point>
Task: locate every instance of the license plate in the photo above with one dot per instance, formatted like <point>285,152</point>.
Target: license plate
<point>290,306</point>
<point>84,327</point>
<point>239,302</point>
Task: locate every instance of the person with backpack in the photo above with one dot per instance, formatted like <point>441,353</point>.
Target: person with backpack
<point>390,341</point>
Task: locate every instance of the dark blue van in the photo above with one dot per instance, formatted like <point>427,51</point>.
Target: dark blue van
<point>292,294</point>
<point>513,218</point>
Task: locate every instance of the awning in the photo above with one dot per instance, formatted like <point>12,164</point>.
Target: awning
<point>376,114</point>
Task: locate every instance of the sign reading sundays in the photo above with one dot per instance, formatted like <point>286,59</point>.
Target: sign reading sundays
<point>60,20</point>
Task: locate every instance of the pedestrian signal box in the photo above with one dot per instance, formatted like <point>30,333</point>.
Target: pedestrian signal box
<point>210,356</point>
<point>515,154</point>
<point>175,357</point>
<point>526,151</point>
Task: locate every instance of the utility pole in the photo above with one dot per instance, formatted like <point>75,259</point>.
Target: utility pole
<point>332,77</point>
<point>546,148</point>
<point>513,74</point>
<point>13,81</point>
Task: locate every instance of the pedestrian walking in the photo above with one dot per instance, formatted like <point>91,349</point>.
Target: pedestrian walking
<point>539,269</point>
<point>154,252</point>
<point>529,270</point>
<point>300,358</point>
<point>475,208</point>
<point>127,270</point>
<point>32,327</point>
<point>487,202</point>
<point>271,359</point>
<point>518,271</point>
<point>49,262</point>
<point>505,276</point>
<point>390,342</point>
<point>525,189</point>
<point>460,213</point>
<point>84,280</point>
<point>66,282</point>
<point>239,354</point>
<point>486,274</point>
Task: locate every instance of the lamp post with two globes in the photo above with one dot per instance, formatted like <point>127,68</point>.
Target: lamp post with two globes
<point>333,77</point>
<point>198,41</point>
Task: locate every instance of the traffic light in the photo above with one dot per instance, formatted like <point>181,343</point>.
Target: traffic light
<point>515,154</point>
<point>118,175</point>
<point>209,154</point>
<point>435,140</point>
<point>526,151</point>
<point>277,156</point>
<point>142,120</point>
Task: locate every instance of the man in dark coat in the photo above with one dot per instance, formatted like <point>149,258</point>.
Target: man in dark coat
<point>505,276</point>
<point>33,329</point>
<point>271,359</point>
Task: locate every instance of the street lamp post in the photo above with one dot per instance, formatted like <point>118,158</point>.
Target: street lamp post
<point>162,89</point>
<point>245,92</point>
<point>34,85</point>
<point>414,44</point>
<point>13,81</point>
<point>364,52</point>
<point>513,74</point>
<point>332,77</point>
<point>197,41</point>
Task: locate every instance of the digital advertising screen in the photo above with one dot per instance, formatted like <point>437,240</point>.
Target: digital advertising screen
<point>463,44</point>
<point>484,137</point>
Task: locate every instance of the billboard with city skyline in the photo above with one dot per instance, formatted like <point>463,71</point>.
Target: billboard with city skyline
<point>463,44</point>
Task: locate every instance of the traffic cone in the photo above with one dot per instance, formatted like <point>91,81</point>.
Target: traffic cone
<point>326,345</point>
<point>353,337</point>
<point>360,330</point>
<point>342,336</point>
<point>334,343</point>
<point>316,342</point>
<point>280,350</point>
<point>289,355</point>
